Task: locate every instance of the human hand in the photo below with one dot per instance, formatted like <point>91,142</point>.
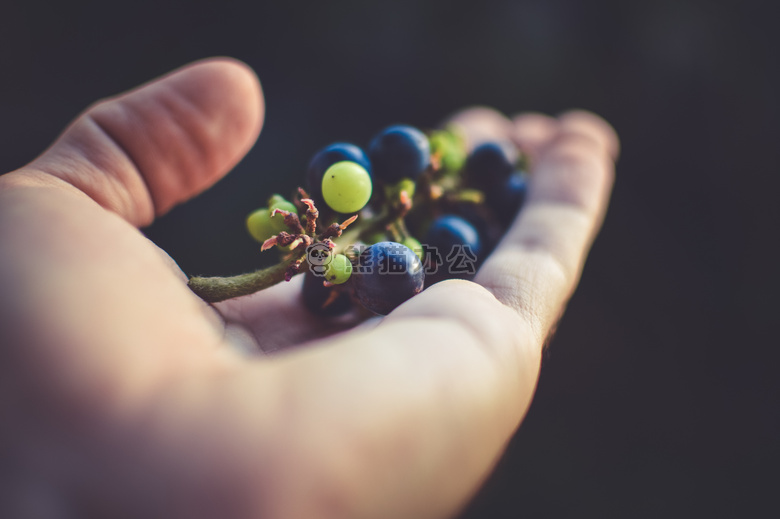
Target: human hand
<point>123,395</point>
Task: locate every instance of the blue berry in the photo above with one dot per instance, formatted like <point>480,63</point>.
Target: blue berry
<point>387,274</point>
<point>322,300</point>
<point>491,163</point>
<point>484,221</point>
<point>506,199</point>
<point>328,156</point>
<point>399,152</point>
<point>455,247</point>
<point>450,231</point>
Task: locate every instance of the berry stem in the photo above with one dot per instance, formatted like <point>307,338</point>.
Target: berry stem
<point>395,232</point>
<point>216,289</point>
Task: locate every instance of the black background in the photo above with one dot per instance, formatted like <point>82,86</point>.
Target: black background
<point>658,396</point>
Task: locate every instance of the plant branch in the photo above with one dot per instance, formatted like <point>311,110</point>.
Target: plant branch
<point>216,289</point>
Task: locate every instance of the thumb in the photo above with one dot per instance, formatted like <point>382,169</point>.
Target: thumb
<point>144,151</point>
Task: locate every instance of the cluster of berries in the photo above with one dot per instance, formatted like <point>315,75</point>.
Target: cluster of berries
<point>457,197</point>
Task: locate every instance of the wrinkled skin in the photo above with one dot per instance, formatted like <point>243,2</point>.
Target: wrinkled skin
<point>124,395</point>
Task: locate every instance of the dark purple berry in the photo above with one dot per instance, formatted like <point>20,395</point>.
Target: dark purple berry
<point>449,232</point>
<point>399,152</point>
<point>489,229</point>
<point>506,199</point>
<point>387,275</point>
<point>453,249</point>
<point>491,163</point>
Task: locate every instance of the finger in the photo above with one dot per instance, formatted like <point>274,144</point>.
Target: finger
<point>538,263</point>
<point>142,152</point>
<point>587,123</point>
<point>532,131</point>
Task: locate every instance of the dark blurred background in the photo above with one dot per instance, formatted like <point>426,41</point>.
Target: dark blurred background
<point>658,397</point>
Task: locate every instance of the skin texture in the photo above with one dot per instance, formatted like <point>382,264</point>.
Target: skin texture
<point>120,393</point>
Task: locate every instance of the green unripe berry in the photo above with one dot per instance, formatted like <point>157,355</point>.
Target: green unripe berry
<point>407,185</point>
<point>415,245</point>
<point>281,203</point>
<point>339,269</point>
<point>450,147</point>
<point>346,187</point>
<point>260,225</point>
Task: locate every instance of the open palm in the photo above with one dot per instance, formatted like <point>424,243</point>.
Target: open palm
<point>120,393</point>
